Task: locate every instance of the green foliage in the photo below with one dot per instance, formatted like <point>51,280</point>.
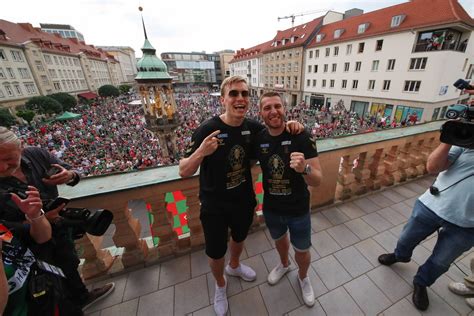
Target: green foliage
<point>6,118</point>
<point>108,91</point>
<point>44,105</point>
<point>124,88</point>
<point>27,115</point>
<point>65,99</point>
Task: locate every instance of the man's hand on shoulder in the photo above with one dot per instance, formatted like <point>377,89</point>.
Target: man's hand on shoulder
<point>62,177</point>
<point>294,127</point>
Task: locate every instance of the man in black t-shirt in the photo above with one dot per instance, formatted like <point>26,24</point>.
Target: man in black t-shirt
<point>222,147</point>
<point>289,164</point>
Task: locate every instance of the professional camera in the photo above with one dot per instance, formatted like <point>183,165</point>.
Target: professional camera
<point>84,221</point>
<point>460,132</point>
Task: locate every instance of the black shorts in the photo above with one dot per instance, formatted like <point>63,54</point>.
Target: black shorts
<point>216,223</point>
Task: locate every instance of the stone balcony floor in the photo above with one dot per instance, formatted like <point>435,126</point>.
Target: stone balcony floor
<point>346,276</point>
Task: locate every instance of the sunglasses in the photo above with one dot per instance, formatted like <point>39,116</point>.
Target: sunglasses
<point>235,93</point>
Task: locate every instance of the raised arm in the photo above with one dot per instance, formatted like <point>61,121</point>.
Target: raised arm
<point>188,166</point>
<point>438,159</point>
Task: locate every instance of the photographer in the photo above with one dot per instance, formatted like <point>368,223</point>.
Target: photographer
<point>447,207</point>
<point>22,166</point>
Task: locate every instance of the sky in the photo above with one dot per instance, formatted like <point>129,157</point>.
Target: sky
<point>181,25</point>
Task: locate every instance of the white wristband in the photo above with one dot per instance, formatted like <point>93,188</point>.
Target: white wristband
<point>36,218</point>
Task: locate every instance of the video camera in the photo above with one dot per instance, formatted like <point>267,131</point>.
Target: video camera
<point>81,220</point>
<point>460,132</point>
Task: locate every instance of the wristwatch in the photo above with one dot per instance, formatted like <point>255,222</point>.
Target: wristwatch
<point>307,169</point>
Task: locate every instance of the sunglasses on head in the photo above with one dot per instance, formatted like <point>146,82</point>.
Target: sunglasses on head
<point>235,93</point>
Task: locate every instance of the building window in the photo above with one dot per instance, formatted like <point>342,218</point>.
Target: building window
<point>48,60</point>
<point>55,60</point>
<point>44,79</point>
<point>378,45</point>
<point>397,20</point>
<point>375,65</point>
<point>344,84</point>
<point>316,53</point>
<point>324,83</point>
<point>328,51</point>
<point>310,54</point>
<point>334,66</point>
<point>11,73</point>
<point>325,68</point>
<point>418,63</point>
<point>2,74</point>
<point>371,85</point>
<point>9,90</point>
<point>362,27</point>
<point>338,33</point>
<point>331,83</point>
<point>18,89</point>
<point>310,68</point>
<point>308,82</point>
<point>386,85</point>
<point>355,83</point>
<point>16,55</point>
<point>1,94</point>
<point>314,82</point>
<point>336,50</point>
<point>348,49</point>
<point>346,67</point>
<point>412,86</point>
<point>39,65</point>
<point>315,68</point>
<point>24,74</point>
<point>2,55</point>
<point>361,47</point>
<point>358,65</point>
<point>391,64</point>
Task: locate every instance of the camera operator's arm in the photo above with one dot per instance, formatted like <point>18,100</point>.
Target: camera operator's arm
<point>438,159</point>
<point>3,284</point>
<point>63,176</point>
<point>40,229</point>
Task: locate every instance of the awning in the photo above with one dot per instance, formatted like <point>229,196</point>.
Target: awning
<point>67,116</point>
<point>88,95</point>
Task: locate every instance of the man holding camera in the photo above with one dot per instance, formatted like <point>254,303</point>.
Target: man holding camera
<point>22,166</point>
<point>447,207</point>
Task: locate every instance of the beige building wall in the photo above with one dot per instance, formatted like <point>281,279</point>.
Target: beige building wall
<point>65,72</point>
<point>225,58</point>
<point>17,83</point>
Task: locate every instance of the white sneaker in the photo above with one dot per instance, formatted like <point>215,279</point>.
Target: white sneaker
<point>242,271</point>
<point>470,302</point>
<point>220,300</point>
<point>277,273</point>
<point>460,288</point>
<point>307,291</point>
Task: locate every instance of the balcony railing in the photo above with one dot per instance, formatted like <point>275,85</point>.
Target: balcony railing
<point>352,166</point>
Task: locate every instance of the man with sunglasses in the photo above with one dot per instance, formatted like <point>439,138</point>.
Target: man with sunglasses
<point>221,147</point>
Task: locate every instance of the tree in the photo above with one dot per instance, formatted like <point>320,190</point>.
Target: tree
<point>6,118</point>
<point>44,105</point>
<point>27,115</point>
<point>65,99</point>
<point>108,91</point>
<point>124,88</point>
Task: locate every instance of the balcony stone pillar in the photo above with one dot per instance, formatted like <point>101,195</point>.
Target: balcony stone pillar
<point>97,260</point>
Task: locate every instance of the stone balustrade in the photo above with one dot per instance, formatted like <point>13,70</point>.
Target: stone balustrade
<point>352,166</point>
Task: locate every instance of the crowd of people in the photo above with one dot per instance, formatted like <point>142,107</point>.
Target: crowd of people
<point>111,135</point>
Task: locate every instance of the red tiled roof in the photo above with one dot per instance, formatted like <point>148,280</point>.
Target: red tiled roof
<point>418,13</point>
<point>19,33</point>
<point>252,52</point>
<point>301,32</point>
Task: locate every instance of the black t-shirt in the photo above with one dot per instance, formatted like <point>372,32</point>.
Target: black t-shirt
<point>285,191</point>
<point>224,177</point>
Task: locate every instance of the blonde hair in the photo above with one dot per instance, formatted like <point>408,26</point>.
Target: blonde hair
<point>8,137</point>
<point>229,81</point>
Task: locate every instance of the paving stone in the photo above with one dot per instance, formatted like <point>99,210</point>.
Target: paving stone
<point>199,263</point>
<point>142,282</point>
<point>457,302</point>
<point>430,243</point>
<point>397,230</point>
<point>458,271</point>
<point>272,259</point>
<point>420,254</point>
<point>148,304</point>
<point>377,222</point>
<point>353,261</point>
<point>343,235</point>
<point>338,302</point>
<point>324,243</point>
<point>233,286</point>
<point>190,295</point>
<point>319,222</point>
<point>351,210</point>
<point>314,255</point>
<point>257,243</point>
<point>380,200</point>
<point>393,196</point>
<point>371,300</point>
<point>404,191</point>
<point>360,228</point>
<point>387,240</point>
<point>371,250</point>
<point>279,298</point>
<point>247,303</point>
<point>367,205</point>
<point>318,286</point>
<point>331,272</point>
<point>406,270</point>
<point>259,267</point>
<point>402,307</point>
<point>415,187</point>
<point>124,309</point>
<point>206,311</point>
<point>335,216</point>
<point>175,271</point>
<point>393,286</point>
<point>392,216</point>
<point>315,310</point>
<point>116,297</point>
<point>403,209</point>
<point>438,307</point>
<point>410,202</point>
